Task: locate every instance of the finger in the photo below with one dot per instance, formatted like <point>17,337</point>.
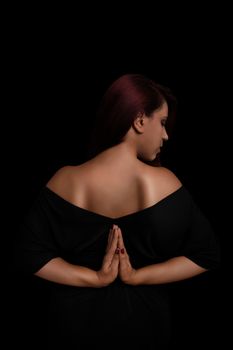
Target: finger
<point>121,244</point>
<point>109,235</point>
<point>113,244</point>
<point>112,248</point>
<point>123,252</point>
<point>114,227</point>
<point>109,238</point>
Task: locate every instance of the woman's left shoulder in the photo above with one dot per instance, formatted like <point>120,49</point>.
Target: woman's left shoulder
<point>168,178</point>
<point>163,181</point>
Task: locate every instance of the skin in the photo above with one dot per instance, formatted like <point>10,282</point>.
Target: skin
<point>152,131</point>
<point>144,140</point>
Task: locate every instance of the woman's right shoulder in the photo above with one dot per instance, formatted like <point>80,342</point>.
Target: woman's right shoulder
<point>61,178</point>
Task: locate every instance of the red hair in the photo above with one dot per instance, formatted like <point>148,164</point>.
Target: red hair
<point>128,96</point>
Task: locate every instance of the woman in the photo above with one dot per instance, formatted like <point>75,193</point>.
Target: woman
<point>113,232</point>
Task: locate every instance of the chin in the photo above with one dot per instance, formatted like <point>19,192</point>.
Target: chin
<point>152,159</point>
<point>153,156</point>
<point>149,158</point>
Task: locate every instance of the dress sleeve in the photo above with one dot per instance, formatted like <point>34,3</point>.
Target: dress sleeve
<point>201,243</point>
<point>36,245</point>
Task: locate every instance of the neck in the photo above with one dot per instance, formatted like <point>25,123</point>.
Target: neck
<point>123,154</point>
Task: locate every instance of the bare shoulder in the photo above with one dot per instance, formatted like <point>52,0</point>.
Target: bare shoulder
<point>168,176</point>
<point>60,182</point>
<point>165,181</point>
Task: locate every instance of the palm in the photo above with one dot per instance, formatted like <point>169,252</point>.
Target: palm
<point>109,270</point>
<point>125,269</point>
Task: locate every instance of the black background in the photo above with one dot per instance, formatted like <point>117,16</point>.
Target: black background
<point>55,79</point>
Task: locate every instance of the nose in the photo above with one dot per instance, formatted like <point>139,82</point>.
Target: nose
<point>165,135</point>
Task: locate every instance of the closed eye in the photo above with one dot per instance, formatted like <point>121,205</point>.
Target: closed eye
<point>163,122</point>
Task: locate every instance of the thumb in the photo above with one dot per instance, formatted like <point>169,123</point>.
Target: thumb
<point>115,260</point>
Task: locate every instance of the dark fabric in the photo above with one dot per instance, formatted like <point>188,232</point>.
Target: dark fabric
<point>172,227</point>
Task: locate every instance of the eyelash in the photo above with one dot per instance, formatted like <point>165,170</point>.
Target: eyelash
<point>163,123</point>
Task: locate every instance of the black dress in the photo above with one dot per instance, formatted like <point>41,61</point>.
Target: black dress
<point>138,315</point>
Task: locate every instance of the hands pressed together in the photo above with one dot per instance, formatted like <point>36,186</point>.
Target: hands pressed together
<point>116,261</point>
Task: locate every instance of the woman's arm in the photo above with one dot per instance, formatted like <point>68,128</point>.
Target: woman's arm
<point>172,270</point>
<point>60,271</point>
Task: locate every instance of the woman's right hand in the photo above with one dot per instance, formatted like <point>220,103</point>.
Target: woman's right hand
<point>109,270</point>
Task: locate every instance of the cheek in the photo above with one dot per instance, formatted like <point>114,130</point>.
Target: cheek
<point>157,132</point>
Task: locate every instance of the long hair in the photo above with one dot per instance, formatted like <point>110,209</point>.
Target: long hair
<point>128,96</point>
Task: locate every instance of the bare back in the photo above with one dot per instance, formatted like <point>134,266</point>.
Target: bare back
<point>113,192</point>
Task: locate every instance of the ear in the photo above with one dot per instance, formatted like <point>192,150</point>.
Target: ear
<point>139,122</point>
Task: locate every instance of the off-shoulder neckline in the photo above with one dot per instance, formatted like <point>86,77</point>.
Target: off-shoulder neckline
<point>136,213</point>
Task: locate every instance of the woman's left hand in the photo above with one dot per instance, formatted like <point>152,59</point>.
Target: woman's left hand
<point>125,270</point>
